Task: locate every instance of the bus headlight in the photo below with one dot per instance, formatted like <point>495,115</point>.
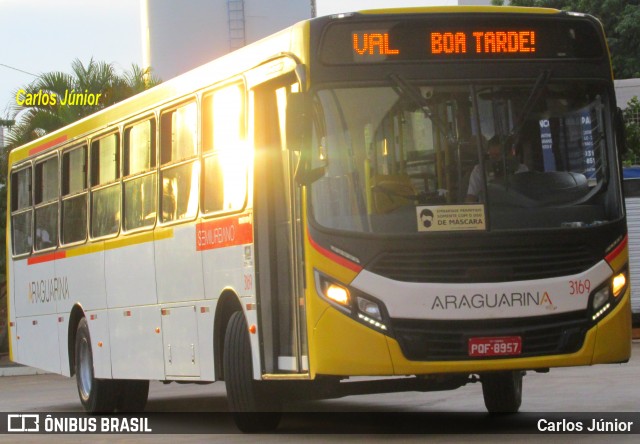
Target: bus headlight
<point>607,296</point>
<point>600,298</point>
<point>369,308</point>
<point>619,283</point>
<point>337,294</point>
<point>355,304</point>
<point>370,313</point>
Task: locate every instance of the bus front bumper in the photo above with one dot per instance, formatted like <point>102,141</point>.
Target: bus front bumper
<point>342,346</point>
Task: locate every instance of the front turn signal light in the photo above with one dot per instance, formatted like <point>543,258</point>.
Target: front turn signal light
<point>619,283</point>
<point>337,294</point>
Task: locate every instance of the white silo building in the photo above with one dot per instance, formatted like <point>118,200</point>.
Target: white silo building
<point>180,35</point>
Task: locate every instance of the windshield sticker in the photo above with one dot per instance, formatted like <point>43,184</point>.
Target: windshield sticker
<point>451,218</point>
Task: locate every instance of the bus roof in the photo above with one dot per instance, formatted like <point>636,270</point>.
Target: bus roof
<point>223,68</point>
<point>462,10</point>
<point>218,70</point>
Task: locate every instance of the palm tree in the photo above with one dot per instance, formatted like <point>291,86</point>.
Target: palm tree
<point>37,120</point>
<point>33,121</point>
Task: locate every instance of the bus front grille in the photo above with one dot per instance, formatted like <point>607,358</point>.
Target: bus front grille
<point>483,264</point>
<point>424,340</point>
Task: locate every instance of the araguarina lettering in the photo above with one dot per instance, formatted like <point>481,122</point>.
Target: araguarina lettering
<point>494,300</point>
<point>49,290</point>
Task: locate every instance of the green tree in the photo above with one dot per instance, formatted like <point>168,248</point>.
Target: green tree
<point>632,131</point>
<point>37,120</point>
<point>33,121</point>
<point>621,22</point>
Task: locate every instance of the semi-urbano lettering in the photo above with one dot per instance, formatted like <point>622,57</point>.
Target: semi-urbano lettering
<point>216,236</point>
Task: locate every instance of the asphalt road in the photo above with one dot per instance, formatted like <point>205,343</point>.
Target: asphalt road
<point>603,388</point>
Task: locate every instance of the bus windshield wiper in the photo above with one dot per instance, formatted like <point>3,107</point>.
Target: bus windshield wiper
<point>405,89</point>
<point>532,100</point>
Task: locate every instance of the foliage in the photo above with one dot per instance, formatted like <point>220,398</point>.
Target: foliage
<point>39,119</point>
<point>94,78</point>
<point>632,131</point>
<point>621,22</point>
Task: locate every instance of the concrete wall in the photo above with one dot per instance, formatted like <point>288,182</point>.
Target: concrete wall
<point>178,36</point>
<point>625,90</point>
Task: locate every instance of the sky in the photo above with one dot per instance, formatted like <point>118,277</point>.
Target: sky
<point>43,35</point>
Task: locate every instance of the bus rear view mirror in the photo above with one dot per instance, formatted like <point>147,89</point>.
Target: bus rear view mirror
<point>297,121</point>
<point>298,139</point>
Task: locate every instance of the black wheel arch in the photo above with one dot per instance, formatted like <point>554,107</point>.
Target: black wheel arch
<point>228,303</point>
<point>77,313</point>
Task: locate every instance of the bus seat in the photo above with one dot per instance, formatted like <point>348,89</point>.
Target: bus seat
<point>390,192</point>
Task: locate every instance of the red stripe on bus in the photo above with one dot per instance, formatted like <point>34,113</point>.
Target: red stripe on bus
<point>334,257</point>
<point>46,258</point>
<point>227,232</point>
<point>46,145</point>
<point>616,251</point>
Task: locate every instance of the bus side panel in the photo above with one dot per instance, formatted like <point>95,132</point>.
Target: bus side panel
<point>180,341</point>
<point>136,343</point>
<point>223,268</point>
<point>35,293</point>
<point>178,266</point>
<point>63,341</point>
<point>11,330</point>
<point>254,339</point>
<point>231,268</point>
<point>205,315</point>
<point>82,282</point>
<point>38,342</point>
<point>130,275</point>
<point>99,332</point>
<point>35,288</point>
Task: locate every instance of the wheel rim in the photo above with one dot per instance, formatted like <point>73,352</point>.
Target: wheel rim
<point>85,376</point>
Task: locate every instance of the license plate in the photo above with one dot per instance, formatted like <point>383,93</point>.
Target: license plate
<point>495,346</point>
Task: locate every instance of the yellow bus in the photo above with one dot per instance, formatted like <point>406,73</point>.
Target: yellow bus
<point>428,197</point>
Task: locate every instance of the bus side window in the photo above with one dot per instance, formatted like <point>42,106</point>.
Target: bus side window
<point>140,176</point>
<point>224,178</point>
<point>21,211</point>
<point>180,170</point>
<point>46,202</point>
<point>74,195</point>
<point>105,191</point>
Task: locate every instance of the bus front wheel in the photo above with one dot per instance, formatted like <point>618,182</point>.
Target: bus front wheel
<point>502,391</point>
<point>96,395</point>
<point>253,410</point>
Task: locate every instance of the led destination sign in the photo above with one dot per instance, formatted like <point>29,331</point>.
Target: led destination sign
<point>485,42</point>
<point>460,38</point>
<point>480,42</point>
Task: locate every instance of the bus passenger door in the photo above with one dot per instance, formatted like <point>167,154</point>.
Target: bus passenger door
<point>278,236</point>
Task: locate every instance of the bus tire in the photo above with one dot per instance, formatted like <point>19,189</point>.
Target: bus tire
<point>96,395</point>
<point>133,395</point>
<point>249,402</point>
<point>502,391</point>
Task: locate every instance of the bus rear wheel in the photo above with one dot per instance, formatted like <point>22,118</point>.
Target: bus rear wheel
<point>502,391</point>
<point>96,395</point>
<point>248,399</point>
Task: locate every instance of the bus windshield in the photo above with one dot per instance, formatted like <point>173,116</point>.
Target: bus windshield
<point>526,154</point>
